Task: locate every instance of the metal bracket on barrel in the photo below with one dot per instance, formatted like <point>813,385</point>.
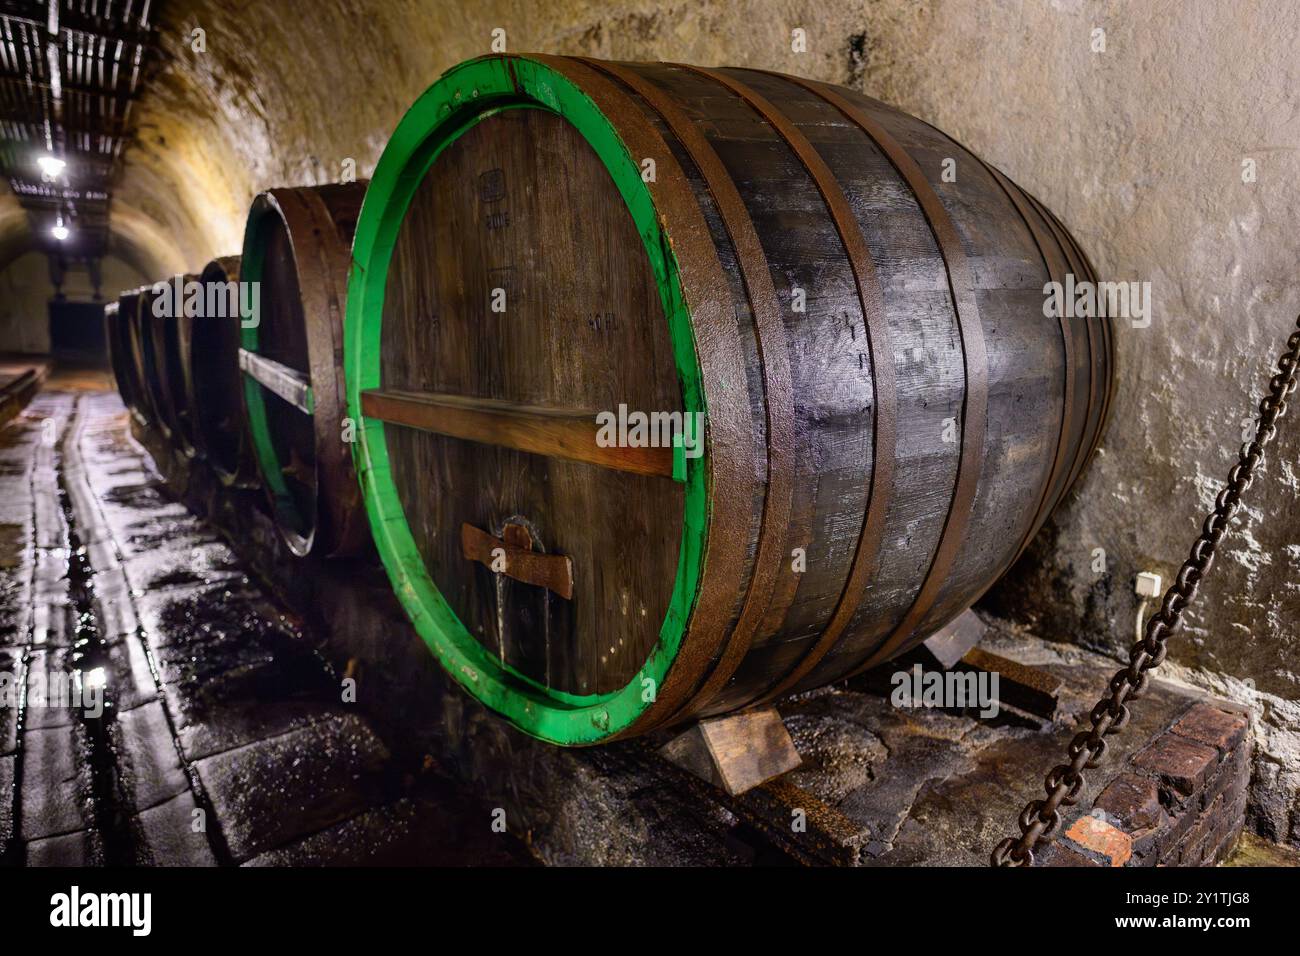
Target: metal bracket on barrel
<point>280,379</point>
<point>513,556</point>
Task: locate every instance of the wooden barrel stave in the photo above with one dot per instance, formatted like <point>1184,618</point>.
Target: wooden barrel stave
<point>141,351</point>
<point>169,340</point>
<point>117,319</point>
<point>152,339</point>
<point>936,469</point>
<point>931,291</point>
<point>1017,456</point>
<point>832,437</point>
<point>767,447</point>
<point>181,374</point>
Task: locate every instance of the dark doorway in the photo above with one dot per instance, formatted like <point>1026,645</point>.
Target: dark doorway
<point>77,332</point>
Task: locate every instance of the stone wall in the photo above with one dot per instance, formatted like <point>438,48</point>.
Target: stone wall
<point>25,292</point>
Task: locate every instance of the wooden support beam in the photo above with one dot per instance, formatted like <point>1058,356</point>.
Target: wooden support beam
<point>555,432</point>
<point>1030,689</point>
<point>18,391</point>
<point>737,752</point>
<point>288,383</point>
<point>960,635</point>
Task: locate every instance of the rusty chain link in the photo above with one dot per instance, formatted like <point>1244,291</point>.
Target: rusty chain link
<point>1041,819</point>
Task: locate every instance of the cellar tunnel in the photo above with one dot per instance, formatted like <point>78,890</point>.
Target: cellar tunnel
<point>1153,146</point>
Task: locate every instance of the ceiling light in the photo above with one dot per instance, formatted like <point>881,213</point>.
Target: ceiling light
<point>51,166</point>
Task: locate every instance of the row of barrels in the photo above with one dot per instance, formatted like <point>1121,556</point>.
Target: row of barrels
<point>179,374</point>
<point>239,365</point>
<point>849,301</point>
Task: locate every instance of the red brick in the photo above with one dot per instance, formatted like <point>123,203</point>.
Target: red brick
<point>1212,727</point>
<point>1231,780</point>
<point>1219,782</point>
<point>1214,827</point>
<point>1193,853</point>
<point>1167,843</point>
<point>1241,778</point>
<point>1095,834</point>
<point>1229,840</point>
<point>1133,802</point>
<point>1146,844</point>
<point>1227,811</point>
<point>1200,837</point>
<point>1182,763</point>
<point>1224,828</point>
<point>1203,856</point>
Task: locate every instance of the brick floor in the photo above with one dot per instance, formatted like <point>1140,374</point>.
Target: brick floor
<point>55,792</point>
<point>225,737</point>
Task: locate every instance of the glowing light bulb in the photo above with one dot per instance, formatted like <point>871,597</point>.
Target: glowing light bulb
<point>59,231</point>
<point>51,166</point>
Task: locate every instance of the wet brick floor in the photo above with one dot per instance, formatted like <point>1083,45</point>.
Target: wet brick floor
<point>222,737</point>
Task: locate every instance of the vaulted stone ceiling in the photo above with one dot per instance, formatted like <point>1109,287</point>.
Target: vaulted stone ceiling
<point>281,93</point>
<point>69,74</point>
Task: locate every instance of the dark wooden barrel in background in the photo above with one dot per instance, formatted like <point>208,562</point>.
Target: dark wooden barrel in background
<point>117,337</point>
<point>131,309</point>
<point>297,248</point>
<point>150,337</point>
<point>212,381</point>
<point>854,300</point>
<point>169,362</point>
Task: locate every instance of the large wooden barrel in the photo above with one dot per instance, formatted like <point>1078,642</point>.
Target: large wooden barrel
<point>213,385</point>
<point>131,314</point>
<point>852,300</point>
<point>150,319</point>
<point>117,337</point>
<point>168,305</point>
<point>297,246</point>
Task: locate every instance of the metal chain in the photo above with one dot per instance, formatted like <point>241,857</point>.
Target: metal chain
<point>1041,819</point>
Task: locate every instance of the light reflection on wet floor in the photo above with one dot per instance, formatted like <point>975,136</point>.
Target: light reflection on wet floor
<point>218,707</point>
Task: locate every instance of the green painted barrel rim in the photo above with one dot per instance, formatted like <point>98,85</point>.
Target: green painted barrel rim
<point>289,517</point>
<point>455,103</point>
